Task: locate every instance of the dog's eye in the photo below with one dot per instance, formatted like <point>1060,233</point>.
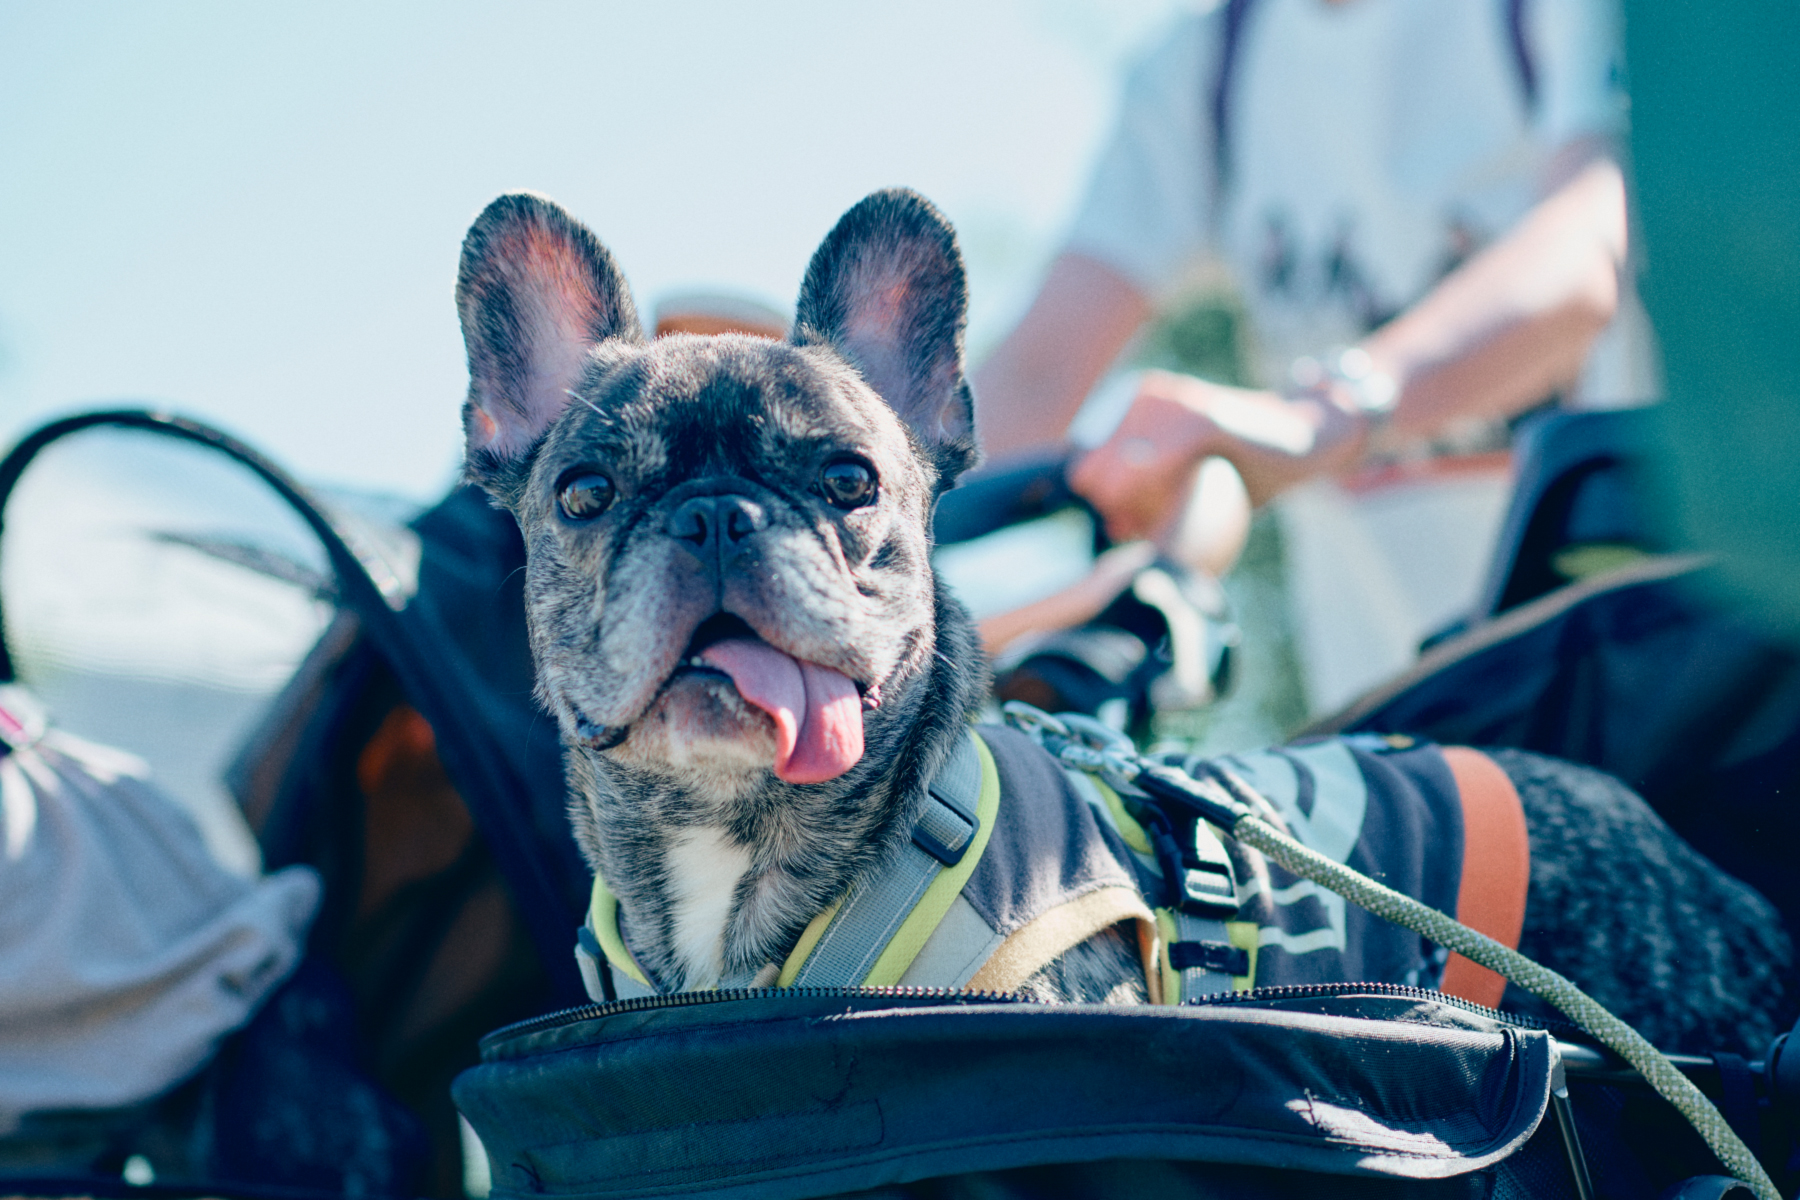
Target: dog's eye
<point>847,483</point>
<point>584,495</point>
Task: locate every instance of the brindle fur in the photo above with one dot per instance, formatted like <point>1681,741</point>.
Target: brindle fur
<point>1694,959</point>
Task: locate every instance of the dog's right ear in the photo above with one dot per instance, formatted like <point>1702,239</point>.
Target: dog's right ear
<point>536,291</point>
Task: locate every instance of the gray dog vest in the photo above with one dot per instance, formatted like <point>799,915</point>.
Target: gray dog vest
<point>1015,861</point>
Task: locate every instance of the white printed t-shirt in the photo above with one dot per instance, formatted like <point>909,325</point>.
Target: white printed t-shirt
<point>1371,146</point>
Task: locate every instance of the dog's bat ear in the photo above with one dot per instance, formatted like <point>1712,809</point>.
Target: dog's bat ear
<point>886,289</point>
<point>536,291</point>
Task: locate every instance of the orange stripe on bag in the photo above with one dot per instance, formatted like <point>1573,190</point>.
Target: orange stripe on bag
<point>1496,869</point>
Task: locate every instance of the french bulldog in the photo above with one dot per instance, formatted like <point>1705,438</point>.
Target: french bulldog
<point>729,591</point>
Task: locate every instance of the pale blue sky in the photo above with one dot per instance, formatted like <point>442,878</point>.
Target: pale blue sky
<point>252,212</point>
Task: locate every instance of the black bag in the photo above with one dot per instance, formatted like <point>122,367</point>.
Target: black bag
<point>1648,675</point>
<point>1354,1090</point>
<point>390,1002</point>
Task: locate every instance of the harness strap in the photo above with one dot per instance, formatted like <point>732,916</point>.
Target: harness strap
<point>1049,935</point>
<point>1199,951</point>
<point>1496,869</point>
<point>1196,956</point>
<point>874,933</point>
<point>607,968</point>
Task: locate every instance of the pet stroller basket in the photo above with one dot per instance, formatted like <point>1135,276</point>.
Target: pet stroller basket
<point>392,677</point>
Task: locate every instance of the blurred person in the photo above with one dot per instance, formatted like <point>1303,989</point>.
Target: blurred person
<point>1421,207</point>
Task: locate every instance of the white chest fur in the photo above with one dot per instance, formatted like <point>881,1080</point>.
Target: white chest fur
<point>704,869</point>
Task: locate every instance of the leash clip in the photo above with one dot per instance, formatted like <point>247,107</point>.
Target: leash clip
<point>1116,758</point>
<point>1078,741</point>
<point>1031,720</point>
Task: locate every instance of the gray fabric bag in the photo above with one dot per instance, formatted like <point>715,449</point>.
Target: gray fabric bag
<point>127,953</point>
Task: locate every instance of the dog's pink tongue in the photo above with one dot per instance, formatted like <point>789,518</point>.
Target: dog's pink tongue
<point>817,713</point>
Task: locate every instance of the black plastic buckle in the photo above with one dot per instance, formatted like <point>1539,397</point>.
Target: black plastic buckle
<point>1218,957</point>
<point>1197,874</point>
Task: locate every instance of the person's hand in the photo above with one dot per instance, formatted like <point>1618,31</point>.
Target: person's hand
<point>1074,605</point>
<point>1139,479</point>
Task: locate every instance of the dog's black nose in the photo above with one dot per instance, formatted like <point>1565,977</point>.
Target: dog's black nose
<point>715,522</point>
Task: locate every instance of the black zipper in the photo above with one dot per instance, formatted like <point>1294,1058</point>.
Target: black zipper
<point>1307,991</point>
<point>589,1012</point>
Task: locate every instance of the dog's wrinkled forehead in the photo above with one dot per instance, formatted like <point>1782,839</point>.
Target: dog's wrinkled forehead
<point>686,406</point>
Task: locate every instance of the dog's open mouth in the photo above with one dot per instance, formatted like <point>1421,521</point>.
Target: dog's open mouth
<point>817,711</point>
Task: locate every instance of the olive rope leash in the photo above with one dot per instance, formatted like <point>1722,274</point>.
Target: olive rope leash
<point>1228,803</point>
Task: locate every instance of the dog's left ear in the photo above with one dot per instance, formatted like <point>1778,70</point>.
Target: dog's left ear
<point>886,290</point>
<point>536,291</point>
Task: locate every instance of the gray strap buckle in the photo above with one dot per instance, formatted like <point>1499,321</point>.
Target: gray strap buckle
<point>1203,956</point>
<point>948,826</point>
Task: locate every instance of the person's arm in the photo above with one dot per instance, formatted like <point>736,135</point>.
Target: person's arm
<point>1074,605</point>
<point>1495,336</point>
<point>1143,219</point>
<point>1516,321</point>
<point>1030,388</point>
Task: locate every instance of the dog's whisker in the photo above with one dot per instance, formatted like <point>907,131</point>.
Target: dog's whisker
<point>574,395</point>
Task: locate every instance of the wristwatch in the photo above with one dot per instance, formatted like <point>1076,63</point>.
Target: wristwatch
<point>1349,373</point>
